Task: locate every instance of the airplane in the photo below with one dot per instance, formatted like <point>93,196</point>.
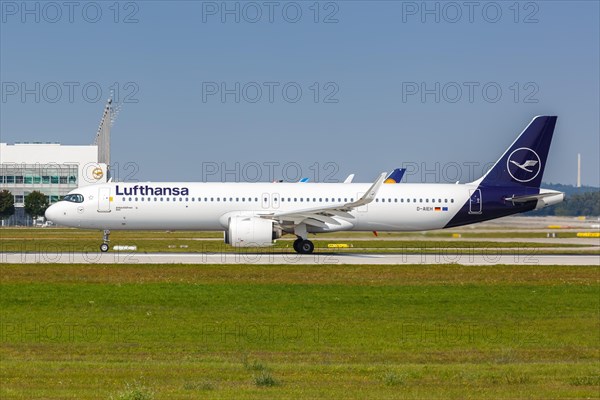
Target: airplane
<point>256,214</point>
<point>395,176</point>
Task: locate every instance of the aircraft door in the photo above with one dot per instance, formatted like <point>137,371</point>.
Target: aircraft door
<point>104,200</point>
<point>475,202</point>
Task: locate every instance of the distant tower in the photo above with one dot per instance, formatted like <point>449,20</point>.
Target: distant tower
<point>578,170</point>
<point>102,139</point>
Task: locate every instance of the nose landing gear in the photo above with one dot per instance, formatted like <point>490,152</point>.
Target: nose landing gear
<point>105,241</point>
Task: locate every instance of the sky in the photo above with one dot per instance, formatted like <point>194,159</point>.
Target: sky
<point>256,91</point>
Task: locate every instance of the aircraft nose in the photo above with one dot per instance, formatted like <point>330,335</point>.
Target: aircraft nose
<point>53,213</point>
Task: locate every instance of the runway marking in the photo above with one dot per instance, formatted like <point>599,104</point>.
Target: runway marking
<point>293,258</point>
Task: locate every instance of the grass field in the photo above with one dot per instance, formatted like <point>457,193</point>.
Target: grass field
<point>74,240</point>
<point>294,331</point>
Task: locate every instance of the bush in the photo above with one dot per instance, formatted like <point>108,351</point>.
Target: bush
<point>265,380</point>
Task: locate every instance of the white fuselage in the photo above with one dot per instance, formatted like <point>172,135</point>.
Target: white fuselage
<point>208,206</point>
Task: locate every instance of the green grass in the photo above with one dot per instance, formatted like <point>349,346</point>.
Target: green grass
<point>298,331</point>
<point>72,240</point>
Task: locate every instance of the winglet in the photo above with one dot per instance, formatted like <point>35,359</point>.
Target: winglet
<point>370,194</point>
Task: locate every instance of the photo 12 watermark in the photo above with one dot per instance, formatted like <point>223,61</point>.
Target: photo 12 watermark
<point>69,12</point>
<point>465,333</point>
<point>69,92</point>
<point>258,332</point>
<point>470,12</point>
<point>470,92</point>
<point>66,332</point>
<point>270,171</point>
<point>270,12</point>
<point>270,92</point>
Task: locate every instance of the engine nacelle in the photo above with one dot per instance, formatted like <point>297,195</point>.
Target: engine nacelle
<point>250,232</point>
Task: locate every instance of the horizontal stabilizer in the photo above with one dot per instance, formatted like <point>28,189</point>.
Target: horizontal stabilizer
<point>545,198</point>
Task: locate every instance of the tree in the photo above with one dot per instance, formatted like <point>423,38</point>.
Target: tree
<point>7,204</point>
<point>36,204</point>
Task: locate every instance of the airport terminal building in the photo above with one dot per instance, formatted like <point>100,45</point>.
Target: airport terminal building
<point>52,168</point>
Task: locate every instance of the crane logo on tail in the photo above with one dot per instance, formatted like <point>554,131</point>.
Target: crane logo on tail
<point>523,164</point>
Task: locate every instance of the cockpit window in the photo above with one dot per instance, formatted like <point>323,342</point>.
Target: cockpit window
<point>74,198</point>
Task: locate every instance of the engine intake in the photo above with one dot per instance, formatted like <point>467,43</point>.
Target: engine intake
<point>250,232</point>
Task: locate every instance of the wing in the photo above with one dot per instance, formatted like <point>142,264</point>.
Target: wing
<point>321,216</point>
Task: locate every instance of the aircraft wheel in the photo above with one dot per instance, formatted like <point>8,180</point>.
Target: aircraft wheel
<point>306,247</point>
<point>297,244</point>
<point>104,247</point>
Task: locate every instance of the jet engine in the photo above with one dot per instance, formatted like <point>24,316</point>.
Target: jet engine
<point>248,231</point>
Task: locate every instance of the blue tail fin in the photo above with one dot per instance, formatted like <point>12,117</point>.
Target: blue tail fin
<point>395,176</point>
<point>524,162</point>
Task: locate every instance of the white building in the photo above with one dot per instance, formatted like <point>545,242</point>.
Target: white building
<point>50,168</point>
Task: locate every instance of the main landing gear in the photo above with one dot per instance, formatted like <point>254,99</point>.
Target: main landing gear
<point>105,241</point>
<point>303,246</point>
